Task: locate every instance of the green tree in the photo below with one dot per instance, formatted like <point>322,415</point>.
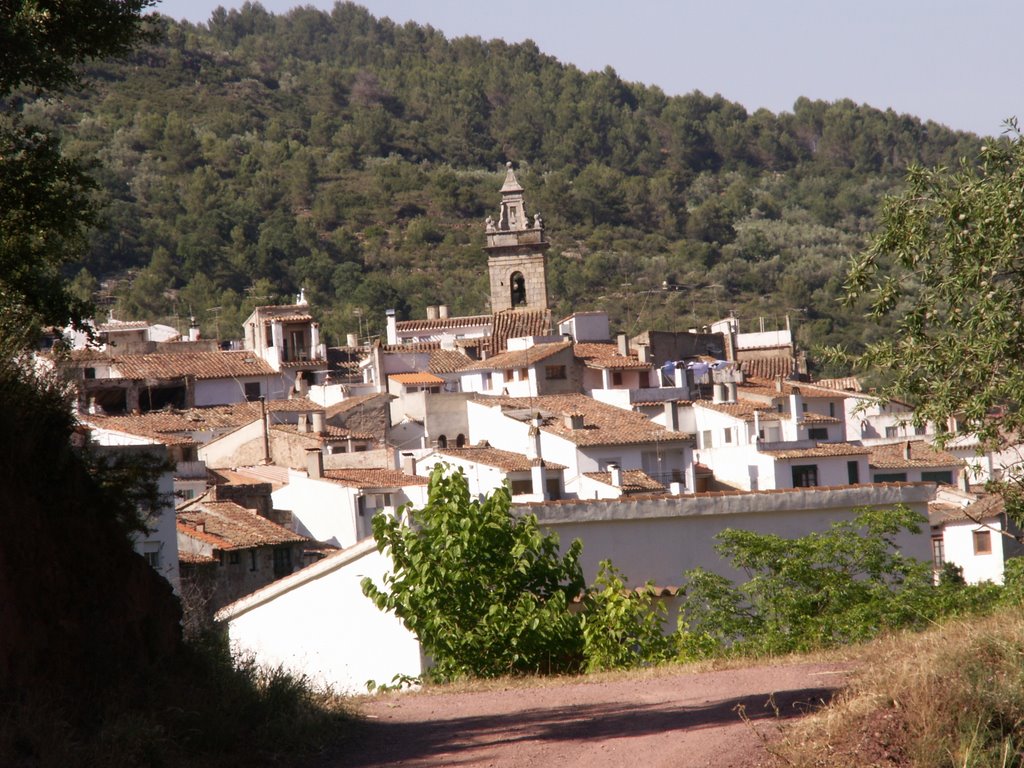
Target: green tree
<point>947,266</point>
<point>485,591</point>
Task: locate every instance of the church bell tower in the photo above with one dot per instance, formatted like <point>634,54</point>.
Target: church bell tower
<point>516,257</point>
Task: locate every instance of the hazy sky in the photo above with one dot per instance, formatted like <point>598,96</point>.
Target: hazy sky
<point>953,61</point>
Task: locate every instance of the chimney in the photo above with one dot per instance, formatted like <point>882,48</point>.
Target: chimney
<point>616,475</point>
<point>718,393</point>
<point>201,527</point>
<point>352,340</point>
<point>442,311</point>
<point>671,416</point>
<point>193,329</point>
<point>574,420</point>
<point>730,391</point>
<point>623,342</point>
<point>796,405</point>
<point>392,326</point>
<point>533,446</point>
<point>314,463</point>
<point>409,463</point>
<point>318,422</point>
<point>432,313</point>
<point>643,352</point>
<point>303,425</point>
<point>906,451</point>
<point>965,479</point>
<point>537,480</point>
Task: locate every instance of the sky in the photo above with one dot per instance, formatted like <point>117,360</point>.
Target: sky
<point>956,62</point>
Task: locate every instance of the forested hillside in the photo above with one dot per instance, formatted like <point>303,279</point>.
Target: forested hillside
<point>252,156</point>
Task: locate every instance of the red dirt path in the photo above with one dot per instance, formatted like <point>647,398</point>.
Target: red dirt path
<point>719,718</point>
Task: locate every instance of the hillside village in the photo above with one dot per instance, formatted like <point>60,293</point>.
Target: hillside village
<point>643,446</point>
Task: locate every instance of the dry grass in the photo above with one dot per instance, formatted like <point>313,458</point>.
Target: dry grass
<point>950,697</point>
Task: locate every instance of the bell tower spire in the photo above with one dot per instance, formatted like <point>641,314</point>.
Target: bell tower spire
<point>516,248</point>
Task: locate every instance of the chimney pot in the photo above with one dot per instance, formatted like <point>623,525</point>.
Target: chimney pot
<point>318,422</point>
<point>314,463</point>
<point>442,311</point>
<point>616,475</point>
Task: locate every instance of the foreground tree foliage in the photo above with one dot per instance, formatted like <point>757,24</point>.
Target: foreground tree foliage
<point>486,593</point>
<point>841,586</point>
<point>948,267</point>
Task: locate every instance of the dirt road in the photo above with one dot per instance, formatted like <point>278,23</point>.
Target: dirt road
<point>719,718</point>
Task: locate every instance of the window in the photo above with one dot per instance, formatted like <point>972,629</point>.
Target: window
<point>891,477</point>
<point>554,372</point>
<point>553,487</point>
<point>803,407</point>
<point>252,390</point>
<point>938,552</point>
<point>832,410</point>
<point>892,431</point>
<point>728,435</point>
<point>234,558</point>
<point>282,561</point>
<point>778,407</point>
<point>524,374</point>
<point>817,433</point>
<point>922,430</point>
<point>153,558</point>
<point>616,378</point>
<point>253,564</point>
<point>519,487</point>
<point>982,542</point>
<point>460,441</point>
<point>805,475</point>
<point>485,380</point>
<point>852,472</point>
<point>938,477</point>
<point>507,375</point>
<point>90,373</point>
<point>705,439</point>
<point>442,441</point>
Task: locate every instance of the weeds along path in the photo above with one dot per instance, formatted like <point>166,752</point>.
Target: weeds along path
<point>655,718</point>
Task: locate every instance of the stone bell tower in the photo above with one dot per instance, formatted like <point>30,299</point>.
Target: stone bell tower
<point>516,249</point>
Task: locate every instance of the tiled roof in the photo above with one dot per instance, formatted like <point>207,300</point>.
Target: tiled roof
<point>606,356</point>
<point>235,526</point>
<point>194,558</point>
<point>817,418</point>
<point>419,346</point>
<point>921,454</point>
<point>122,325</point>
<point>845,384</point>
<point>373,478</point>
<point>443,324</point>
<point>770,367</point>
<point>173,426</point>
<point>515,323</point>
<point>293,318</point>
<point>507,461</point>
<point>200,365</point>
<point>330,432</point>
<point>447,361</point>
<point>769,388</point>
<point>822,450</point>
<point>602,424</point>
<point>741,409</point>
<point>349,403</point>
<point>423,379</point>
<point>519,358</point>
<point>265,473</point>
<point>633,481</point>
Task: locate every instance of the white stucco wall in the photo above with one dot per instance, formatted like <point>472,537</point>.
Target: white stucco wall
<point>318,623</point>
<point>322,509</point>
<point>660,539</point>
<point>229,391</point>
<point>958,541</point>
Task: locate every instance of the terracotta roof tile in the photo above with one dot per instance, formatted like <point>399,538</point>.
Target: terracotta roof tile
<point>293,318</point>
<point>349,403</point>
<point>448,361</point>
<point>741,409</point>
<point>373,478</point>
<point>606,357</point>
<point>822,450</point>
<point>515,323</point>
<point>844,384</point>
<point>603,424</point>
<point>519,358</point>
<point>921,454</point>
<point>200,365</point>
<point>818,418</point>
<point>633,481</point>
<point>330,432</point>
<point>235,526</point>
<point>507,461</point>
<point>770,367</point>
<point>443,324</point>
<point>422,379</point>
